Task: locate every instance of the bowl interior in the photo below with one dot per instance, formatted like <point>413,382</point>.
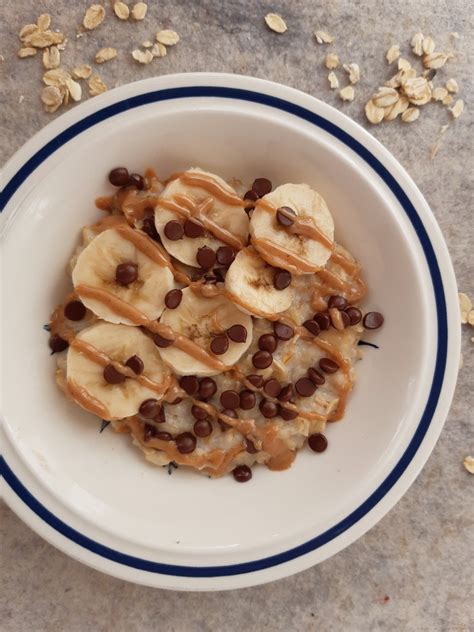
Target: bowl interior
<point>104,479</point>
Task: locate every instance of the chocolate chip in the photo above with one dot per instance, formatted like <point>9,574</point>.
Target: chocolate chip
<point>112,376</point>
<point>256,380</point>
<point>267,342</point>
<point>339,302</point>
<point>223,426</point>
<point>149,432</point>
<point>251,197</point>
<point>185,442</point>
<point>161,342</point>
<point>197,412</point>
<point>148,227</point>
<point>312,326</point>
<point>268,409</point>
<point>237,333</point>
<point>219,344</point>
<point>286,393</point>
<point>430,74</point>
<point>328,366</point>
<point>173,298</point>
<point>323,320</point>
<point>345,319</point>
<point>174,230</point>
<point>136,180</point>
<point>225,255</point>
<point>193,228</point>
<point>57,344</point>
<point>284,216</point>
<point>206,257</point>
<point>261,186</point>
<point>242,473</point>
<point>207,387</point>
<point>250,446</point>
<point>247,399</point>
<point>317,442</point>
<point>373,320</point>
<point>136,364</point>
<point>164,436</point>
<point>229,413</point>
<point>282,331</point>
<point>262,359</point>
<point>119,177</point>
<point>189,384</point>
<point>150,408</point>
<point>160,417</point>
<point>281,279</point>
<point>305,387</point>
<point>316,377</point>
<point>287,413</point>
<point>202,428</point>
<point>355,315</point>
<point>272,387</point>
<point>75,310</point>
<point>126,273</point>
<point>230,399</point>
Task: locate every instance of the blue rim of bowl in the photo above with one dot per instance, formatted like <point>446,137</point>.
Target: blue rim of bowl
<point>441,352</point>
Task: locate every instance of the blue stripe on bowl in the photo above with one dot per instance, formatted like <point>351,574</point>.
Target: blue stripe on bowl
<point>441,351</point>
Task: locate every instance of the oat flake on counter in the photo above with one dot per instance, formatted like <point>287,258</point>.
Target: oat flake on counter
<point>139,10</point>
<point>167,37</point>
<point>94,16</point>
<point>275,23</point>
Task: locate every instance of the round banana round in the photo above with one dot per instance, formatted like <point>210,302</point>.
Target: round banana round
<point>249,281</point>
<point>96,267</point>
<point>281,246</point>
<point>115,343</point>
<point>223,208</point>
<point>201,319</point>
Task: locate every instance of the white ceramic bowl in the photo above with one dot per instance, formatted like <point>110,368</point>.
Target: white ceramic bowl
<point>92,495</point>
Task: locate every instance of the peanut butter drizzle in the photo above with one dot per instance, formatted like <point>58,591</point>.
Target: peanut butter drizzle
<point>87,401</point>
<point>107,222</point>
<point>125,310</point>
<point>300,226</point>
<point>134,205</point>
<point>212,187</point>
<point>344,389</point>
<point>275,253</point>
<point>281,457</point>
<point>145,245</point>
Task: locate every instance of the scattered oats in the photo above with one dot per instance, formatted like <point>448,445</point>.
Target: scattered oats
<point>52,98</point>
<point>43,39</point>
<point>62,46</point>
<point>94,16</point>
<point>393,53</point>
<point>158,50</point>
<point>96,85</point>
<point>83,71</point>
<point>428,45</point>
<point>44,21</point>
<point>56,77</point>
<point>168,38</point>
<point>347,93</point>
<point>401,78</point>
<point>457,108</point>
<point>353,71</point>
<point>448,99</point>
<point>27,30</point>
<point>435,60</point>
<point>385,97</point>
<point>465,306</point>
<point>417,44</point>
<point>410,115</point>
<point>332,61</point>
<point>51,58</point>
<point>391,113</point>
<point>452,86</point>
<point>21,99</point>
<point>373,113</point>
<point>469,464</point>
<point>417,90</point>
<point>105,54</point>
<point>74,89</point>
<point>333,80</point>
<point>323,38</point>
<point>28,51</point>
<point>455,35</point>
<point>274,22</point>
<point>121,10</point>
<point>142,56</point>
<point>439,93</point>
<point>429,75</point>
<point>403,64</point>
<point>147,44</point>
<point>139,10</point>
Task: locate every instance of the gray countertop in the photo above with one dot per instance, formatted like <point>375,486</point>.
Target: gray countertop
<point>410,572</point>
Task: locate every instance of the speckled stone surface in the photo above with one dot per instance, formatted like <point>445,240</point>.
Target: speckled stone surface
<point>412,571</point>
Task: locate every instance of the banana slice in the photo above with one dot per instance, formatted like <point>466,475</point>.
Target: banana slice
<point>211,200</point>
<point>303,246</point>
<point>103,344</point>
<point>201,319</point>
<point>250,282</point>
<point>96,267</point>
